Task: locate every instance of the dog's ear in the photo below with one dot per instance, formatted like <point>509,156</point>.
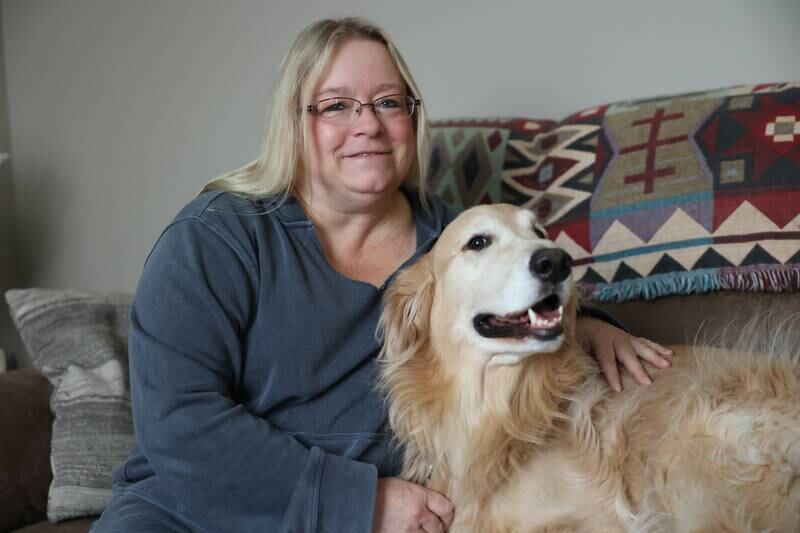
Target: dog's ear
<point>409,370</point>
<point>404,322</point>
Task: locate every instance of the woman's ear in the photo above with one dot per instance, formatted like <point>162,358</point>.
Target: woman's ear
<point>405,320</point>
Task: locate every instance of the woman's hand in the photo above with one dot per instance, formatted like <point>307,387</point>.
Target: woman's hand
<point>402,506</point>
<point>609,344</point>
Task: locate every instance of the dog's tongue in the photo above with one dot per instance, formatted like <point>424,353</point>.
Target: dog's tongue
<point>549,315</point>
<point>509,320</point>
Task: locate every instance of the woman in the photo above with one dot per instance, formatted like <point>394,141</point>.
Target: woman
<point>252,348</point>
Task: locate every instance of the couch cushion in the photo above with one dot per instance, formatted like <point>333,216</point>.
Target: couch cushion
<point>79,342</point>
<point>675,195</point>
<point>717,318</point>
<point>25,422</point>
<point>469,156</point>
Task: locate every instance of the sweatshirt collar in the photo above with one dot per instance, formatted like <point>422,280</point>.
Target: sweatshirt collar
<point>291,213</point>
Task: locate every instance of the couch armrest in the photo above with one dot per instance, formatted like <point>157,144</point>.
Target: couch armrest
<point>25,429</point>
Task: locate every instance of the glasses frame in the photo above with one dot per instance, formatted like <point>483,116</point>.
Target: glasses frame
<point>314,108</point>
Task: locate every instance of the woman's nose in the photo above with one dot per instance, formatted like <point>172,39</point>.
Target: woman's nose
<point>367,120</point>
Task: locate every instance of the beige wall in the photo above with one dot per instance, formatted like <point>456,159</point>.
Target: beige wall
<point>121,110</point>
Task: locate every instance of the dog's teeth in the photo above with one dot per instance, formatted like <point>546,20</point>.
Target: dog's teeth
<point>537,321</point>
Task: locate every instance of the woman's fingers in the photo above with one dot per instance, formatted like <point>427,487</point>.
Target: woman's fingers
<point>661,350</point>
<point>612,347</point>
<point>440,506</point>
<point>652,352</point>
<point>432,524</point>
<point>404,506</point>
<point>607,359</point>
<point>629,358</point>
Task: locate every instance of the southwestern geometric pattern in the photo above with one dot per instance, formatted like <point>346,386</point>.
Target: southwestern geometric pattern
<point>670,195</point>
<point>468,157</point>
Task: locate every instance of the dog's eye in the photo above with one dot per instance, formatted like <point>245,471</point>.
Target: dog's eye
<point>478,242</point>
<point>539,232</point>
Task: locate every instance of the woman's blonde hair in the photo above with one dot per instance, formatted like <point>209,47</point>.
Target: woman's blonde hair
<point>286,145</point>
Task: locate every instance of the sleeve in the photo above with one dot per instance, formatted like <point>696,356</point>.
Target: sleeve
<point>600,314</point>
<point>224,468</point>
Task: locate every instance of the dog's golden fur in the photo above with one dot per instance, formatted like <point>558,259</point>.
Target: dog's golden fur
<point>524,435</point>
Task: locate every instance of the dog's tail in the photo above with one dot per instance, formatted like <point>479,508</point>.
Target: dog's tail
<point>730,460</point>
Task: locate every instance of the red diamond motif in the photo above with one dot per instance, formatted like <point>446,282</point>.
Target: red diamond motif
<point>494,139</point>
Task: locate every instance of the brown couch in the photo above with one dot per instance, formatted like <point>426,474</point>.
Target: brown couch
<point>25,417</point>
<point>25,427</point>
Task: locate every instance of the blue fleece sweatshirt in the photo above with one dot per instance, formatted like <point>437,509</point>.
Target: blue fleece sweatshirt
<point>253,373</point>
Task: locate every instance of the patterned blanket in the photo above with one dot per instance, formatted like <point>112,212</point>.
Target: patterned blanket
<point>672,195</point>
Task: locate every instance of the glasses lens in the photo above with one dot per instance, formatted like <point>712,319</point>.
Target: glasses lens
<point>395,105</point>
<point>336,109</point>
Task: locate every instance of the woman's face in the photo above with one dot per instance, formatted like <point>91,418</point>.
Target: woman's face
<point>372,155</point>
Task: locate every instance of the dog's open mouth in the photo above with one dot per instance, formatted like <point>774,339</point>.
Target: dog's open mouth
<point>542,320</point>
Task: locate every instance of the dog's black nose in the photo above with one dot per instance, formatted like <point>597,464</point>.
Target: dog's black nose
<point>551,264</point>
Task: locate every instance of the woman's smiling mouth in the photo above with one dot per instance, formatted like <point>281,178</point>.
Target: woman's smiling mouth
<point>367,154</point>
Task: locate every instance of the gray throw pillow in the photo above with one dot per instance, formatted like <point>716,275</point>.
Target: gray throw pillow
<point>78,340</point>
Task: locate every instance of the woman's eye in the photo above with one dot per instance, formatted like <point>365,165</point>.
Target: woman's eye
<point>333,107</point>
<point>478,242</point>
<point>539,232</point>
<point>389,103</point>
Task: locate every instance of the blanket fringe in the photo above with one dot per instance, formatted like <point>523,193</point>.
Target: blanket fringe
<point>759,278</point>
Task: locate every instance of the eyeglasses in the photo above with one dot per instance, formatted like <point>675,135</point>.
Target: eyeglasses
<point>344,111</point>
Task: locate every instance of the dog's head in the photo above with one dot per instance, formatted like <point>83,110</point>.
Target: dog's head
<point>479,333</point>
<point>493,286</point>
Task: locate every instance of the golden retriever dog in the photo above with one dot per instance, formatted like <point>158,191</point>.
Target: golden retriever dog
<point>499,407</point>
